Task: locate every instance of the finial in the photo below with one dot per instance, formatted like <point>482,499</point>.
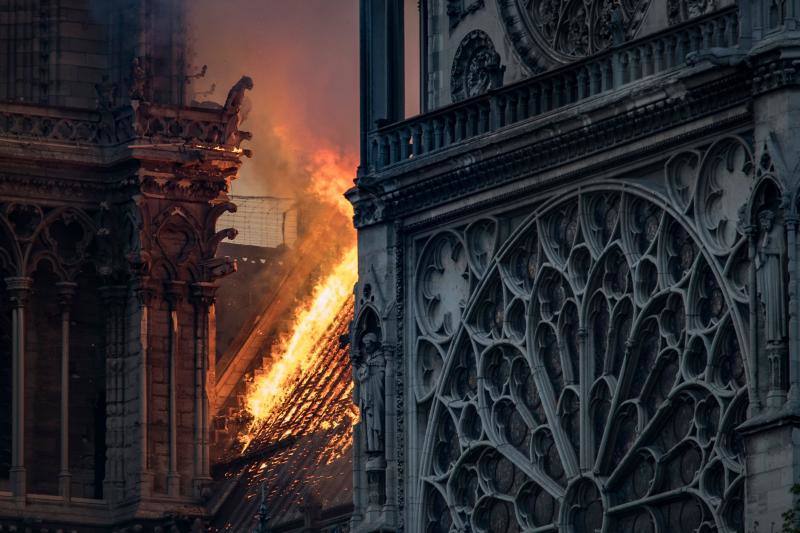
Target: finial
<point>263,513</point>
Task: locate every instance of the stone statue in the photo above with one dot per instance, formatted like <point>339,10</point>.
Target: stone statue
<point>138,80</point>
<point>617,24</point>
<point>770,272</point>
<point>106,92</point>
<point>371,378</point>
<point>233,105</point>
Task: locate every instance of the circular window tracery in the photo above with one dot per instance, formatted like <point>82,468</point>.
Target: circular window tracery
<point>552,32</point>
<point>607,377</point>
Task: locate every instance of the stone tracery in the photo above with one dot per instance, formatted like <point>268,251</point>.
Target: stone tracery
<point>597,371</point>
<point>476,67</point>
<point>563,30</point>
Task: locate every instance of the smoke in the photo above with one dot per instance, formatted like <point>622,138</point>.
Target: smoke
<point>303,58</point>
<point>303,113</point>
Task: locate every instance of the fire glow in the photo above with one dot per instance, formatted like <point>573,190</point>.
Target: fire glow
<point>296,352</point>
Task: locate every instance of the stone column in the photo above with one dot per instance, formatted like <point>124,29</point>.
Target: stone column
<point>382,67</point>
<point>114,298</point>
<point>755,402</point>
<point>585,459</point>
<point>359,500</point>
<point>794,338</point>
<point>145,294</point>
<point>174,292</point>
<point>19,291</point>
<point>66,291</point>
<point>203,295</point>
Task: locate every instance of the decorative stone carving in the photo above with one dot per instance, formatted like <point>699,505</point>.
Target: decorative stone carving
<point>444,284</point>
<point>476,67</point>
<point>139,80</point>
<point>550,32</point>
<point>233,106</point>
<point>106,98</point>
<point>106,92</point>
<point>482,238</point>
<point>368,212</point>
<point>24,219</point>
<point>608,372</point>
<point>723,186</point>
<point>458,10</point>
<point>682,10</point>
<point>681,173</point>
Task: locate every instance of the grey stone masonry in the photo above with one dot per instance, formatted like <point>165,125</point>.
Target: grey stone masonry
<point>583,260</point>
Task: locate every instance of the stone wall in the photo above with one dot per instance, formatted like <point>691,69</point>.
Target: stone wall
<point>584,284</point>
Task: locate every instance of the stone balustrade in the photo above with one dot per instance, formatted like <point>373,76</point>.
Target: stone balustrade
<point>141,120</point>
<point>42,123</point>
<point>418,136</point>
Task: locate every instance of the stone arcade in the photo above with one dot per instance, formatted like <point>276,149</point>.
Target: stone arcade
<point>581,264</point>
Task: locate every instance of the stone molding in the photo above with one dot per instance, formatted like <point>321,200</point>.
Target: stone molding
<point>142,120</point>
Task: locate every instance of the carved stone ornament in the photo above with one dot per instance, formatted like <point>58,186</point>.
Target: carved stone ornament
<point>233,107</point>
<point>476,67</point>
<point>586,374</point>
<point>682,10</point>
<point>550,32</point>
<point>457,10</point>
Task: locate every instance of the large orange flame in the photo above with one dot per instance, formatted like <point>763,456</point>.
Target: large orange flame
<point>310,325</point>
<point>331,175</point>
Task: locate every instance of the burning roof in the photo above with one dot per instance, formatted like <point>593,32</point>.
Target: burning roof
<point>300,452</point>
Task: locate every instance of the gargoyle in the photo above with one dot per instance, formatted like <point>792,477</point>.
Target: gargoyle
<point>219,267</point>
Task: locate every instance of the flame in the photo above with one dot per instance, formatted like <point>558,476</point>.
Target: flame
<point>331,173</point>
<point>310,325</point>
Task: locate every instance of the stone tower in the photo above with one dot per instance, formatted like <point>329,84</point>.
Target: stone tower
<point>577,308</point>
<point>110,188</point>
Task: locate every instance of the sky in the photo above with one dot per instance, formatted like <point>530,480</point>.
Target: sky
<point>303,58</point>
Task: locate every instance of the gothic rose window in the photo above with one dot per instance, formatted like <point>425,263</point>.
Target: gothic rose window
<point>551,32</point>
<point>591,374</point>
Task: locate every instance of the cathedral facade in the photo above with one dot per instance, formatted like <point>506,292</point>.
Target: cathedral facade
<point>578,298</point>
